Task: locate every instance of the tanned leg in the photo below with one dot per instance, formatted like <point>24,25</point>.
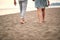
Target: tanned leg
<point>43,14</point>
<point>39,13</point>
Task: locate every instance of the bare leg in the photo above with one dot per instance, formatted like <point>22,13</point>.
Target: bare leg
<point>40,17</point>
<point>43,14</point>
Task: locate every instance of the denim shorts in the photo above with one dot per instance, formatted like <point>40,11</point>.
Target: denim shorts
<point>41,3</point>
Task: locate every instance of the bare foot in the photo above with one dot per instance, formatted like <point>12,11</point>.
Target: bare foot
<point>40,22</point>
<point>44,21</point>
<point>22,21</point>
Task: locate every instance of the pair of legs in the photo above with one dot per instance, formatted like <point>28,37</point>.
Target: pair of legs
<point>40,5</point>
<point>41,14</point>
<point>23,6</point>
